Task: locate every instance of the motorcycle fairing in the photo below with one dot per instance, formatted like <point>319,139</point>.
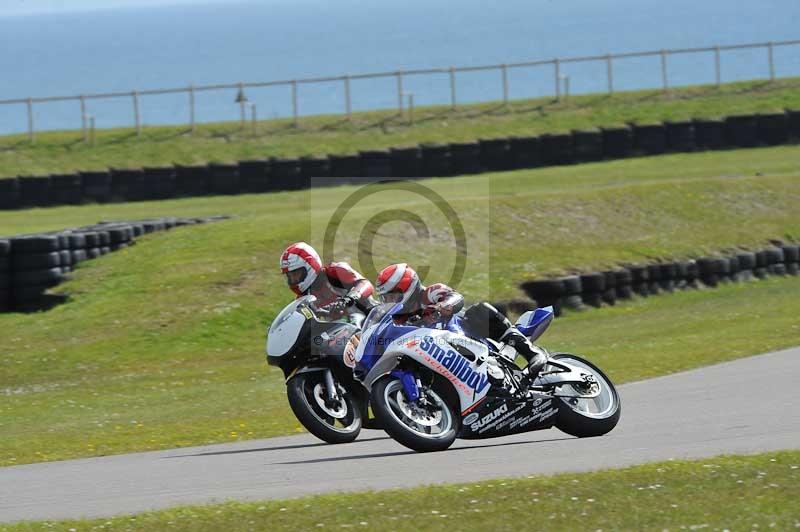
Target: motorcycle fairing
<point>502,416</point>
<point>534,322</point>
<point>375,339</point>
<point>431,348</point>
<point>296,335</point>
<point>285,328</point>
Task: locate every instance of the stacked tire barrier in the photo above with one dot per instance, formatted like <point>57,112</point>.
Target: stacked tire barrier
<point>30,264</point>
<point>525,152</point>
<point>587,145</point>
<point>709,134</point>
<point>5,275</point>
<point>617,142</point>
<point>427,160</point>
<point>650,139</point>
<point>595,289</point>
<point>466,158</point>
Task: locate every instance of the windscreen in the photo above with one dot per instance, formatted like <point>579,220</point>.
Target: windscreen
<point>377,313</point>
<point>289,310</point>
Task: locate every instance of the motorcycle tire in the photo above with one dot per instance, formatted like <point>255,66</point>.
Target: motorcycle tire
<point>302,392</point>
<point>387,389</point>
<point>585,420</point>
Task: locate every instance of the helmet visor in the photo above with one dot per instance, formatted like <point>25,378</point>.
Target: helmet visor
<point>392,297</point>
<point>295,277</point>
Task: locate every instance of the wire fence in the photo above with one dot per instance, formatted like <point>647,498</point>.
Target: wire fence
<point>404,99</point>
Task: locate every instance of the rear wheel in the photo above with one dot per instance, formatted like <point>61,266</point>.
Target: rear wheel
<point>586,417</point>
<point>337,421</point>
<point>428,424</point>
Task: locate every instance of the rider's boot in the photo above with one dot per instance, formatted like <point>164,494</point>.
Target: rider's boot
<point>536,359</point>
<point>485,320</point>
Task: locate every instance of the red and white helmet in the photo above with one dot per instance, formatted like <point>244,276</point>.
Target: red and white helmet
<point>301,265</point>
<point>398,283</point>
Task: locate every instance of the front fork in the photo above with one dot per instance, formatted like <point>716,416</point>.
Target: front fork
<point>331,393</point>
<point>411,384</point>
<point>332,396</point>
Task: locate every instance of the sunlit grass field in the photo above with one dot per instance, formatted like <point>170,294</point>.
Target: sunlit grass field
<point>161,344</point>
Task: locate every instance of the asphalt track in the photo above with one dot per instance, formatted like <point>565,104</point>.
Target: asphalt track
<point>745,406</point>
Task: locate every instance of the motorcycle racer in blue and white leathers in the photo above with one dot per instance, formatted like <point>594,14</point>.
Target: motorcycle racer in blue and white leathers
<point>434,305</point>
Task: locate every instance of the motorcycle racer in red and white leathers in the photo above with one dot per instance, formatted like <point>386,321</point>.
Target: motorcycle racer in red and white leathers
<point>427,305</point>
<point>337,286</point>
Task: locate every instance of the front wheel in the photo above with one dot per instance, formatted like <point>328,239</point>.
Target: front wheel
<point>587,417</point>
<point>331,421</point>
<point>428,424</point>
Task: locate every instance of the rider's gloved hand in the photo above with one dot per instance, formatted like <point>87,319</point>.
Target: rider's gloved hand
<point>445,310</point>
<point>431,314</point>
<point>414,318</point>
<point>340,304</point>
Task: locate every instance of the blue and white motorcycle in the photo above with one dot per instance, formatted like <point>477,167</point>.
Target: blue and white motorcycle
<point>429,386</point>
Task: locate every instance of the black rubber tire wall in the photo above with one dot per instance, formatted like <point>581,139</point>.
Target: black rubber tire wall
<point>254,175</point>
<point>465,158</point>
<point>680,136</point>
<point>192,180</point>
<point>376,165</point>
<point>34,191</point>
<point>42,277</point>
<point>742,130</point>
<point>556,149</point>
<point>435,160</point>
<point>495,155</point>
<point>224,178</point>
<point>317,170</point>
<point>35,244</point>
<point>96,186</point>
<point>709,134</point>
<point>650,139</point>
<point>65,189</point>
<point>617,142</point>
<point>587,145</point>
<point>159,182</point>
<point>9,193</point>
<point>127,184</point>
<point>406,162</point>
<point>286,174</point>
<point>773,128</point>
<point>546,292</point>
<point>525,152</point>
<point>793,120</point>
<point>35,261</point>
<point>345,166</point>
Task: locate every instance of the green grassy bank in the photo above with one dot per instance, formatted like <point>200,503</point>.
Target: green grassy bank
<point>161,344</point>
<point>65,151</point>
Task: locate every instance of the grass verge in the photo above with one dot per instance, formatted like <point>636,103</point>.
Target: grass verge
<point>161,344</point>
<point>90,397</point>
<point>721,493</point>
<point>65,151</point>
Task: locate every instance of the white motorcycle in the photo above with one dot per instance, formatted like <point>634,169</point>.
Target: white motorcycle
<point>309,347</point>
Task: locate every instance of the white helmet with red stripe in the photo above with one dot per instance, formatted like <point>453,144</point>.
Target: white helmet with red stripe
<point>398,283</point>
<point>301,265</point>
